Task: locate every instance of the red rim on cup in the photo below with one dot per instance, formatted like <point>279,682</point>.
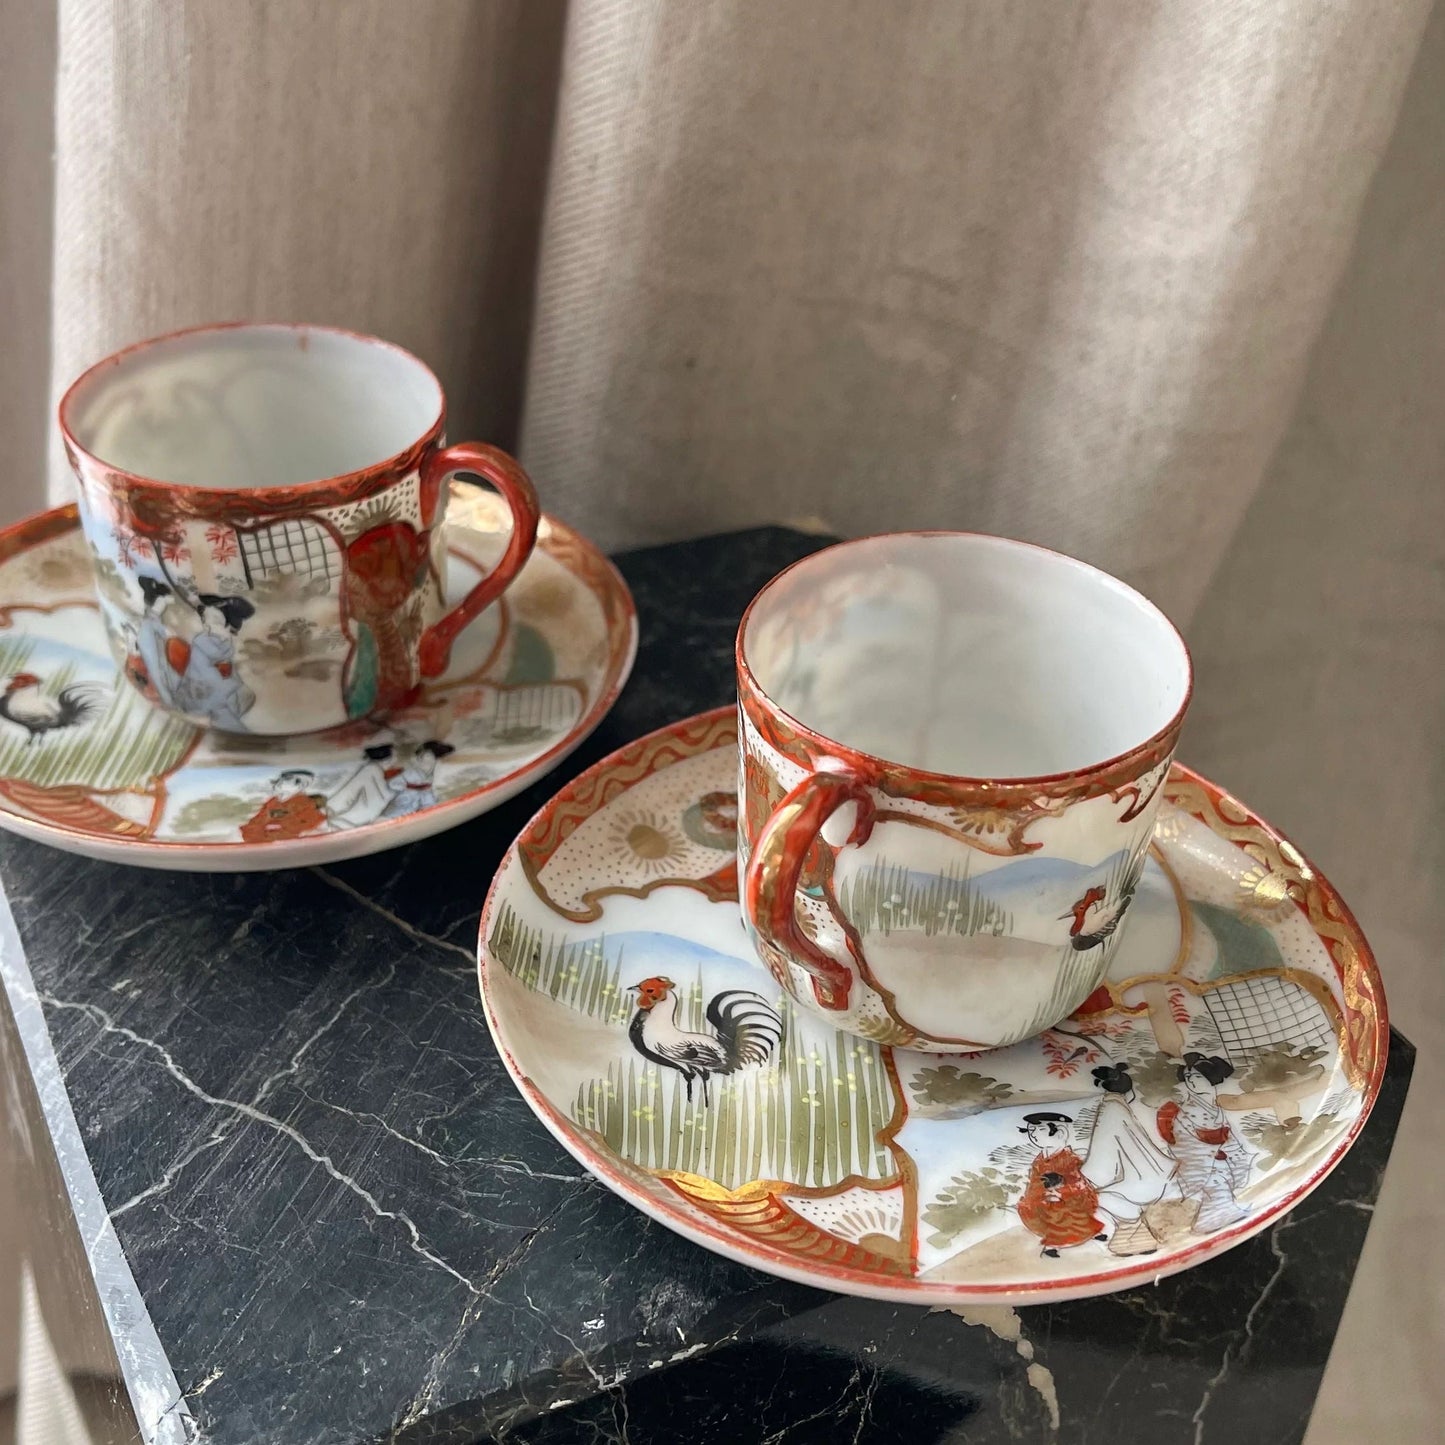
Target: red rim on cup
<point>295,476</point>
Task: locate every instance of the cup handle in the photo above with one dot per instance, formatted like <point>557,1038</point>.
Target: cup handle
<point>770,883</point>
<point>519,494</point>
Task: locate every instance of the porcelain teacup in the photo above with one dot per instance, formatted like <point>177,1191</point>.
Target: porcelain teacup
<point>264,509</point>
<point>952,751</point>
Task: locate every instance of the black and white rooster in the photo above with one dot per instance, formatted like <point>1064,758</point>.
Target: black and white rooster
<point>26,705</point>
<point>746,1029</point>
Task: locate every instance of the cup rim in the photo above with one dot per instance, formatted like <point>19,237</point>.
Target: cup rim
<point>875,765</point>
<point>401,460</point>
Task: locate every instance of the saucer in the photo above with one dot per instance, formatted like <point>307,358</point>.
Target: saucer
<point>529,679</point>
<point>1219,1073</point>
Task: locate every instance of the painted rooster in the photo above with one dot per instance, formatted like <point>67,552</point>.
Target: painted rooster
<point>24,704</point>
<point>1094,920</point>
<point>745,1027</point>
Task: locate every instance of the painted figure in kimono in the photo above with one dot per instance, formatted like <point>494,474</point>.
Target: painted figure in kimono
<point>1126,1164</point>
<point>134,665</point>
<point>293,810</point>
<point>157,650</point>
<point>1213,1162</point>
<point>1058,1203</point>
<point>364,796</point>
<point>417,788</point>
<point>209,684</point>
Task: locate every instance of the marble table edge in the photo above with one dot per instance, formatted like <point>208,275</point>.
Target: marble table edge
<point>162,1414</point>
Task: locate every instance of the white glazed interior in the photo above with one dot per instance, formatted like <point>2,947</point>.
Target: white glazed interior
<point>964,654</point>
<point>253,406</point>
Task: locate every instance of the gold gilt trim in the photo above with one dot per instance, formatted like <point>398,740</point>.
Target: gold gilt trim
<point>22,536</point>
<point>1181,902</point>
<point>719,887</point>
<point>698,1186</point>
<point>767,1220</point>
<point>598,576</point>
<point>1365,1028</point>
<point>986,828</point>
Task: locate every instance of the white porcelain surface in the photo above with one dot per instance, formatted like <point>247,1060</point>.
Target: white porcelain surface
<point>982,727</point>
<point>966,654</point>
<point>254,406</point>
<point>1222,1068</point>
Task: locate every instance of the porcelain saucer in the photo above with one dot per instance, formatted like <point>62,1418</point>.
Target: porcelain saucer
<point>528,681</point>
<point>1215,1078</point>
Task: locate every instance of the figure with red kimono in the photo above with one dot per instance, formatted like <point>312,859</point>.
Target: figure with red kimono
<point>416,788</point>
<point>197,675</point>
<point>208,683</point>
<point>155,646</point>
<point>1059,1204</point>
<point>292,810</point>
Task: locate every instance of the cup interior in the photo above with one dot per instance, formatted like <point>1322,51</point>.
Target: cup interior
<point>966,655</point>
<point>239,407</point>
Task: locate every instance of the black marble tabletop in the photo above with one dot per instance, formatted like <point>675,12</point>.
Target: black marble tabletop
<point>315,1209</point>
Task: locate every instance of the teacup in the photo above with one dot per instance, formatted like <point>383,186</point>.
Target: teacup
<point>952,751</point>
<point>264,508</point>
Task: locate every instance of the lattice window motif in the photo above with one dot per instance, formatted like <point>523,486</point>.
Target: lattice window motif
<point>545,707</point>
<point>1255,1014</point>
<point>296,547</point>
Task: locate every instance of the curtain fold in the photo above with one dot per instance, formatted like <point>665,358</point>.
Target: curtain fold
<point>1052,271</point>
<point>373,165</point>
<point>27,104</point>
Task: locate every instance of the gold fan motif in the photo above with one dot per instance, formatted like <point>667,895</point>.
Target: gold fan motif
<point>1264,894</point>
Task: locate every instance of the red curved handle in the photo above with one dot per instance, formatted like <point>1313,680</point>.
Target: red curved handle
<point>520,495</point>
<point>770,884</point>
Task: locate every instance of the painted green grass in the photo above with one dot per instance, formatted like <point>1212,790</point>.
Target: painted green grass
<point>1080,972</point>
<point>577,975</point>
<point>1079,975</point>
<point>1126,871</point>
<point>126,747</point>
<point>884,897</point>
<point>812,1116</point>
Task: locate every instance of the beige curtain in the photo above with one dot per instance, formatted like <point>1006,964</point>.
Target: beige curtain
<point>1047,270</point>
<point>1051,270</point>
<point>1157,283</point>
